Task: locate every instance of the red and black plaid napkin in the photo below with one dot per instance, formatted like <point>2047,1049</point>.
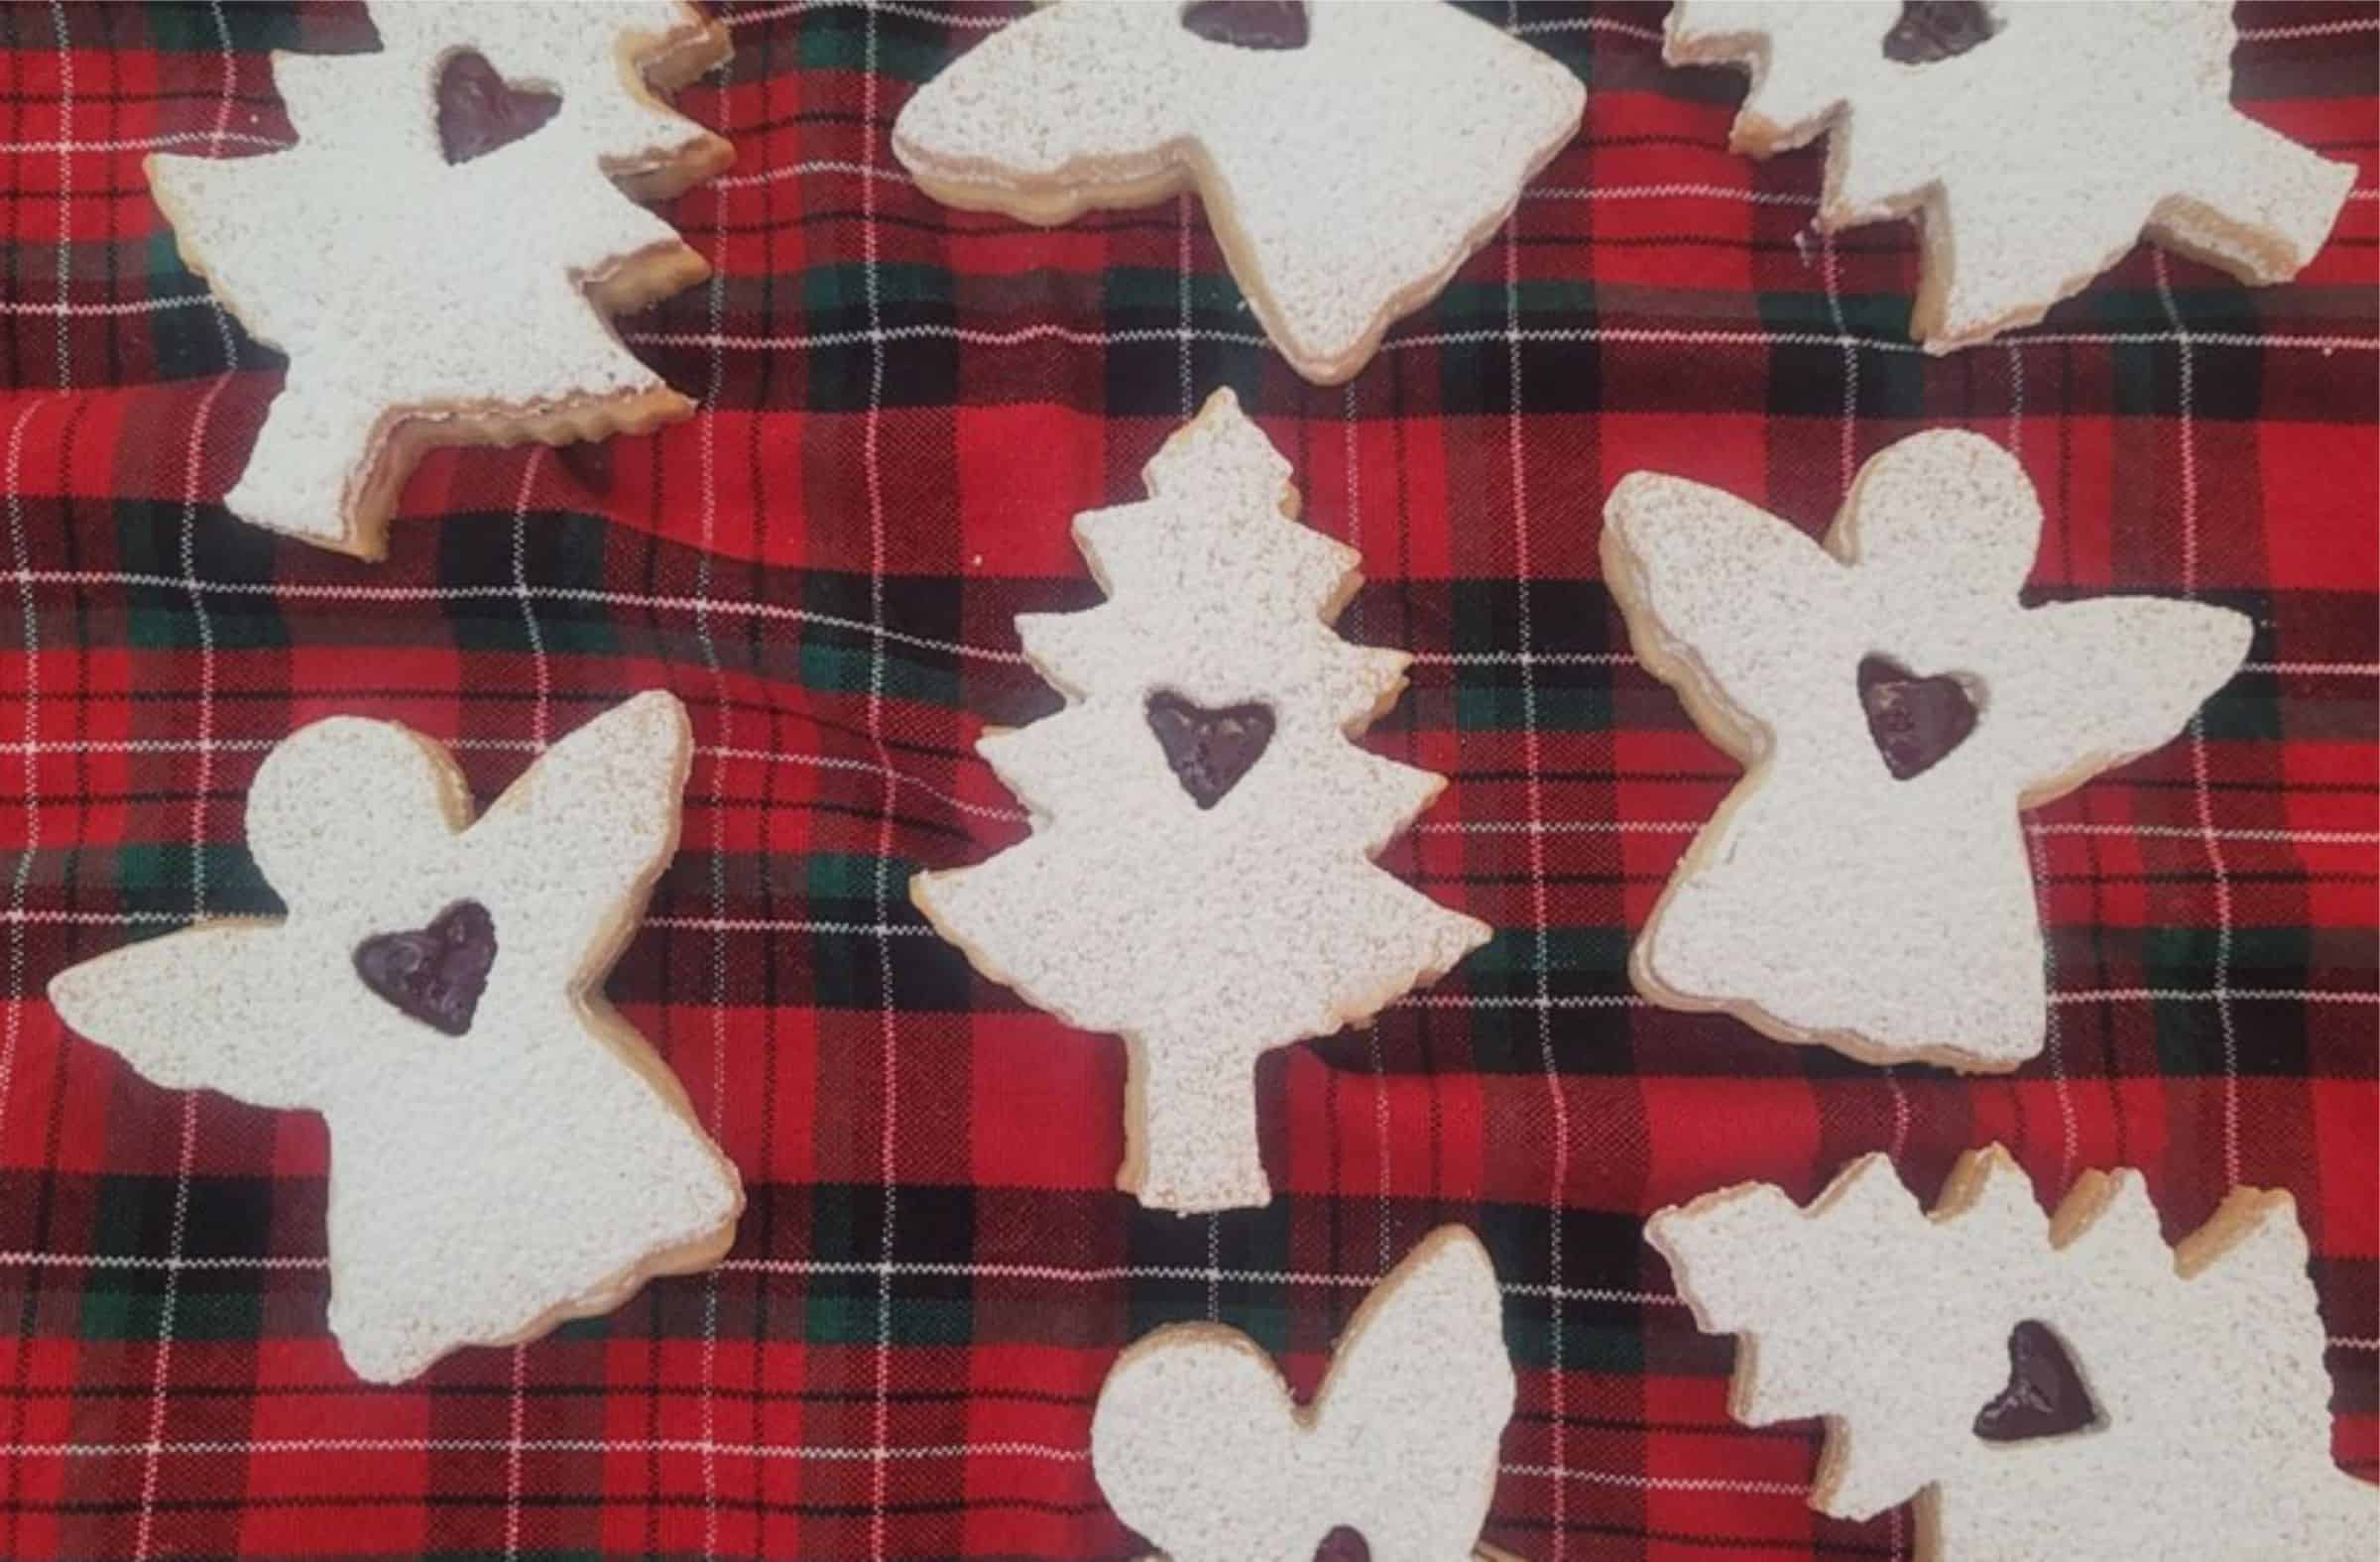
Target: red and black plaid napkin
<point>903,405</point>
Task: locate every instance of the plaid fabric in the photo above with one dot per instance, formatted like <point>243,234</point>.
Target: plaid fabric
<point>904,404</point>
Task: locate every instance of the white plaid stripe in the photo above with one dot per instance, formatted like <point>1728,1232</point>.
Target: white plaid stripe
<point>212,140</point>
<point>2289,31</point>
<point>66,189</point>
<point>870,435</point>
<point>1653,337</point>
<point>1050,1274</point>
<point>1540,917</point>
<point>2184,436</point>
<point>515,1448</point>
<point>811,1452</point>
<point>2052,1032</point>
<point>1831,269</point>
<point>786,171</point>
<point>144,1530</point>
<point>2097,995</point>
<point>2354,997</point>
<point>540,734</point>
<point>780,613</point>
<point>540,730</point>
<point>188,1159</point>
<point>2053,1035</point>
<point>986,19</point>
<point>19,882</point>
<point>1585,24</point>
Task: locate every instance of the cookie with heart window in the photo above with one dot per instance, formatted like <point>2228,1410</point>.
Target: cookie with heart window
<point>2041,1384</point>
<point>440,253</point>
<point>1897,707</point>
<point>1199,876</point>
<point>507,1150</point>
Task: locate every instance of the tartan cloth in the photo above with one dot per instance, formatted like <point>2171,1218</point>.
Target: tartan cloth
<point>904,404</point>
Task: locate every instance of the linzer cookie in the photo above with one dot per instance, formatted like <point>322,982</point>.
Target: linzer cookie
<point>1866,885</point>
<point>507,1152</point>
<point>2037,142</point>
<point>439,252</point>
<point>2043,1385</point>
<point>1199,1447</point>
<point>1199,876</point>
<point>1351,155</point>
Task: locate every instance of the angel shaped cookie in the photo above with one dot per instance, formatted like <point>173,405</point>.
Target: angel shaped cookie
<point>2038,143</point>
<point>1865,886</point>
<point>1348,160</point>
<point>1199,878</point>
<point>1199,1446</point>
<point>2043,1385</point>
<point>507,1152</point>
<point>438,253</point>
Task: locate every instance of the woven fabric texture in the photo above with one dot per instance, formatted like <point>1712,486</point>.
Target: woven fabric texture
<point>903,405</point>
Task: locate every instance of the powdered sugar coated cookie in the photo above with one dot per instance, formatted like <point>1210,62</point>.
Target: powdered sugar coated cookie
<point>2037,157</point>
<point>2045,1387</point>
<point>1199,1446</point>
<point>1199,876</point>
<point>1866,885</point>
<point>1346,179</point>
<point>426,301</point>
<point>507,1152</point>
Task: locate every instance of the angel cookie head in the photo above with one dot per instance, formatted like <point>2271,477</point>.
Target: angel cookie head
<point>2037,142</point>
<point>507,1152</point>
<point>1199,1446</point>
<point>1865,886</point>
<point>1351,155</point>
<point>439,252</point>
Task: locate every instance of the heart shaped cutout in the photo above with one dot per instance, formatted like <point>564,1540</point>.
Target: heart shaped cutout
<point>1915,722</point>
<point>1250,23</point>
<point>1209,749</point>
<point>1343,1544</point>
<point>1934,30</point>
<point>2045,1397</point>
<point>434,975</point>
<point>479,111</point>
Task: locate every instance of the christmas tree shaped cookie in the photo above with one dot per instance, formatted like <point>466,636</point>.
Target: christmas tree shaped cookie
<point>2045,1387</point>
<point>1351,155</point>
<point>1199,1446</point>
<point>2037,142</point>
<point>438,253</point>
<point>1199,878</point>
<point>1866,885</point>
<point>507,1152</point>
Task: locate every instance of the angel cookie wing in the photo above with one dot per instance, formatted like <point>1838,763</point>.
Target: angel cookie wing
<point>210,1008</point>
<point>1347,172</point>
<point>2127,675</point>
<point>589,827</point>
<point>1714,590</point>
